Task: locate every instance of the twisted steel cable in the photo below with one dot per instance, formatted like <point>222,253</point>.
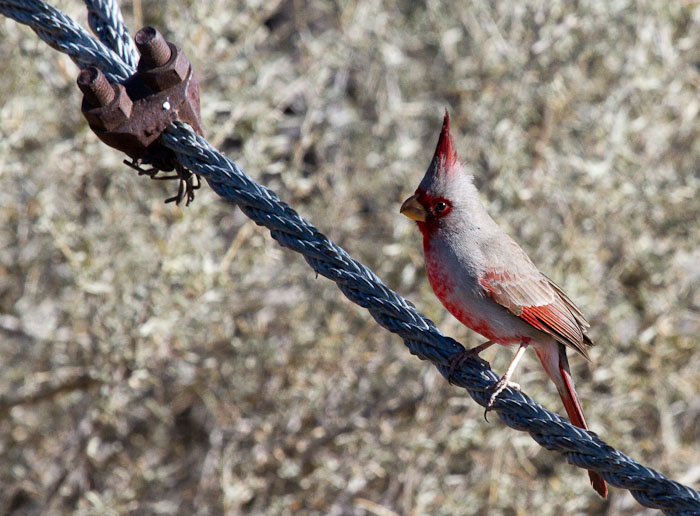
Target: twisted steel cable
<point>106,22</point>
<point>580,447</point>
<point>59,31</point>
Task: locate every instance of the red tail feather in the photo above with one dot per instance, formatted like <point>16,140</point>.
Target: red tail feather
<point>553,358</point>
<point>575,413</point>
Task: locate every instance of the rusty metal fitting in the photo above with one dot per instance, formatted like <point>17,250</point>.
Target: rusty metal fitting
<point>131,116</point>
<point>105,106</point>
<point>162,64</point>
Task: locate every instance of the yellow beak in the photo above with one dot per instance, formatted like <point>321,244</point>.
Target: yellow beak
<point>413,209</point>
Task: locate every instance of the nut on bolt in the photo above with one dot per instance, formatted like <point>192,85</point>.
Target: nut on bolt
<point>162,64</point>
<point>105,105</point>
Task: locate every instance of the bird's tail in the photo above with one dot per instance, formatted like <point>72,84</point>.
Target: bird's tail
<point>557,367</point>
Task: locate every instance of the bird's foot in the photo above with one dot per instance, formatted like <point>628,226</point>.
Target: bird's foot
<point>456,360</point>
<point>497,388</point>
<point>505,382</point>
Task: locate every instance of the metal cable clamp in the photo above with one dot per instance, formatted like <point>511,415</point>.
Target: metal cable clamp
<point>132,115</point>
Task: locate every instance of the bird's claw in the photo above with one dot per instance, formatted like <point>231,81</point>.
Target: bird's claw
<point>497,388</point>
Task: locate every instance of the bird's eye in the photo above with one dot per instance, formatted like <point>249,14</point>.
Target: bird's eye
<point>440,207</point>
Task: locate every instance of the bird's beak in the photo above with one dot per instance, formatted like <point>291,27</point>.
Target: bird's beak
<point>413,209</point>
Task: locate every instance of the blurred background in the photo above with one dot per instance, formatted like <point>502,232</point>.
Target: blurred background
<point>169,360</point>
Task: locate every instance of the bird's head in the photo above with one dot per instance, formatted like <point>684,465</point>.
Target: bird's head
<point>444,187</point>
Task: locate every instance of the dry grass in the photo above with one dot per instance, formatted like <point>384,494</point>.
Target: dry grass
<point>159,360</point>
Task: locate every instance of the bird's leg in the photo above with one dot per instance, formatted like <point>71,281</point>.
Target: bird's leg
<point>457,359</point>
<point>504,382</point>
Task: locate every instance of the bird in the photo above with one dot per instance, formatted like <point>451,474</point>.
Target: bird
<point>486,280</point>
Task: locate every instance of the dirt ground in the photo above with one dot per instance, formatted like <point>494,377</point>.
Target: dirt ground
<point>169,360</point>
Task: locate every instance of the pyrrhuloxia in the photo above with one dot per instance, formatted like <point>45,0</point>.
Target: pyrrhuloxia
<point>488,282</point>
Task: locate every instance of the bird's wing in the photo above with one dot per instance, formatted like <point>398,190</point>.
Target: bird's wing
<point>537,300</point>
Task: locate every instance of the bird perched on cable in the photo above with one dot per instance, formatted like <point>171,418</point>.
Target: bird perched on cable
<point>486,280</point>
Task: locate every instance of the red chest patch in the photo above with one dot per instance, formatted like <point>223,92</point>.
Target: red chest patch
<point>444,287</point>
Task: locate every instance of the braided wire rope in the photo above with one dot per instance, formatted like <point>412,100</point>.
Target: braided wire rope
<point>106,22</point>
<point>59,31</point>
<point>423,339</point>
